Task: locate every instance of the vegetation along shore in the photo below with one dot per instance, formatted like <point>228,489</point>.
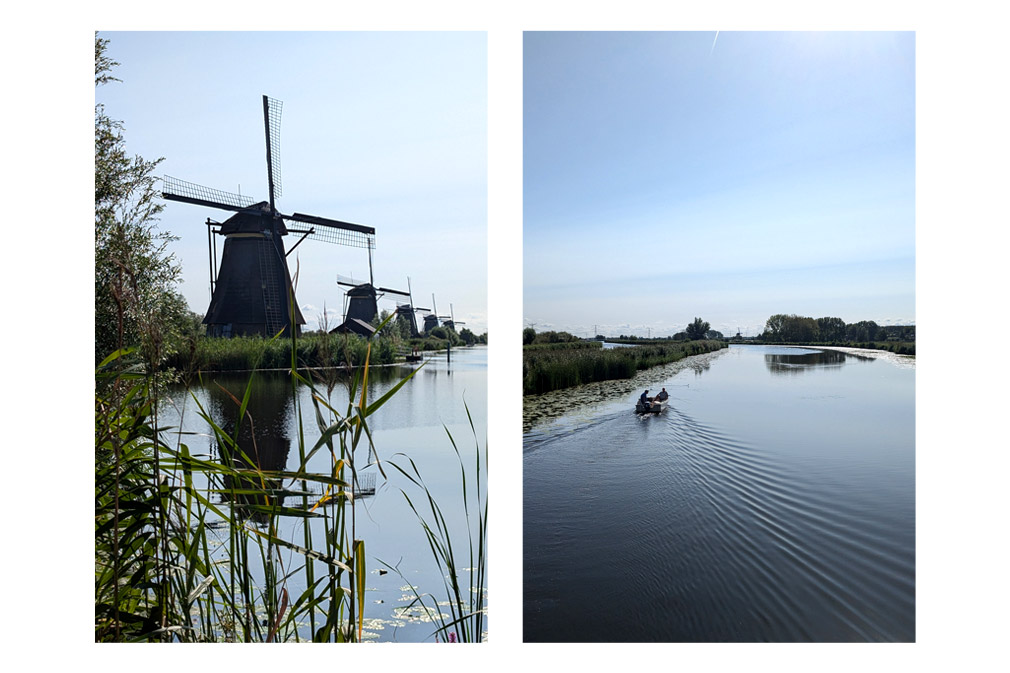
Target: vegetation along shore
<point>566,364</point>
<point>555,360</point>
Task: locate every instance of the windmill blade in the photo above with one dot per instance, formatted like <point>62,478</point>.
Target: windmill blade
<point>416,309</point>
<point>175,189</point>
<point>386,290</point>
<point>349,281</point>
<point>272,125</point>
<point>332,231</point>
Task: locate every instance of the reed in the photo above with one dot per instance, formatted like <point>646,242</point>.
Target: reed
<point>188,548</point>
<point>308,351</point>
<point>569,345</point>
<point>464,585</point>
<point>547,369</point>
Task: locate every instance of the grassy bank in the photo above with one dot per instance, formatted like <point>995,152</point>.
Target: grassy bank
<point>313,351</point>
<point>556,367</point>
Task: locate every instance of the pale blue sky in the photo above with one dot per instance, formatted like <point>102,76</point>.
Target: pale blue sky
<point>674,175</point>
<point>387,130</point>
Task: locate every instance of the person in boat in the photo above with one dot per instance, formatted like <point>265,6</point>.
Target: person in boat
<point>645,400</point>
<point>662,396</point>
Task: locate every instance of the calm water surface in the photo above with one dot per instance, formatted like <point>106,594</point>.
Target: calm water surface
<point>411,425</point>
<point>773,501</point>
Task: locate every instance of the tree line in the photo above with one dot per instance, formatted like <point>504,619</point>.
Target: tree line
<point>801,329</point>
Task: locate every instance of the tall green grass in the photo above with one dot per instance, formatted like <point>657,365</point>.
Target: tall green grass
<point>310,351</point>
<point>555,368</point>
<point>464,585</point>
<point>564,345</point>
<point>189,548</point>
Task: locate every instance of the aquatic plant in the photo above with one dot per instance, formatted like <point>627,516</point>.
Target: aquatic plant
<point>311,351</point>
<point>188,548</point>
<point>464,585</point>
<point>546,369</point>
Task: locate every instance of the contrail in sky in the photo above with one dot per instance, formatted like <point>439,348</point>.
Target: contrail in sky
<point>713,43</point>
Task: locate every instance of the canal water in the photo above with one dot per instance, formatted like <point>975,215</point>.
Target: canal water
<point>774,500</point>
<point>414,425</point>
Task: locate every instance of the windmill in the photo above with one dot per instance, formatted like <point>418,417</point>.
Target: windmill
<point>452,322</point>
<point>406,312</point>
<point>361,305</point>
<point>431,320</point>
<point>252,293</point>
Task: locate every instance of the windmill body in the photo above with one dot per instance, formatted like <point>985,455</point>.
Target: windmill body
<point>405,312</point>
<point>430,322</point>
<point>253,293</point>
<point>361,305</point>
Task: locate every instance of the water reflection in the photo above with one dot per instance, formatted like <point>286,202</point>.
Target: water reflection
<point>413,422</point>
<point>804,360</point>
<point>261,439</point>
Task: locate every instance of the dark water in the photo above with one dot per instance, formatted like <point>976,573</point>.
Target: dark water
<point>773,501</point>
<point>410,426</point>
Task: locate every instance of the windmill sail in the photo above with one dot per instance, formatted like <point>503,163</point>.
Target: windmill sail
<point>331,231</point>
<point>272,123</point>
<point>175,189</point>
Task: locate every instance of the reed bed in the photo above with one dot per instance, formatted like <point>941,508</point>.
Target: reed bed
<point>188,548</point>
<point>570,345</point>
<point>311,351</point>
<point>550,369</point>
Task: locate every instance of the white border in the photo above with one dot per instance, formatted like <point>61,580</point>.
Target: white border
<point>961,220</point>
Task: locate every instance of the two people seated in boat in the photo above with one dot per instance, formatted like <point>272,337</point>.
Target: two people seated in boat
<point>646,401</point>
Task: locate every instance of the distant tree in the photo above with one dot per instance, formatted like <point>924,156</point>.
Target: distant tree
<point>680,336</point>
<point>137,302</point>
<point>790,328</point>
<point>774,327</point>
<point>401,325</point>
<point>529,334</point>
<point>830,329</point>
<point>697,329</point>
<point>897,332</point>
<point>378,320</point>
<point>552,337</point>
<point>864,330</point>
<point>803,329</point>
<point>468,337</point>
<point>714,334</point>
